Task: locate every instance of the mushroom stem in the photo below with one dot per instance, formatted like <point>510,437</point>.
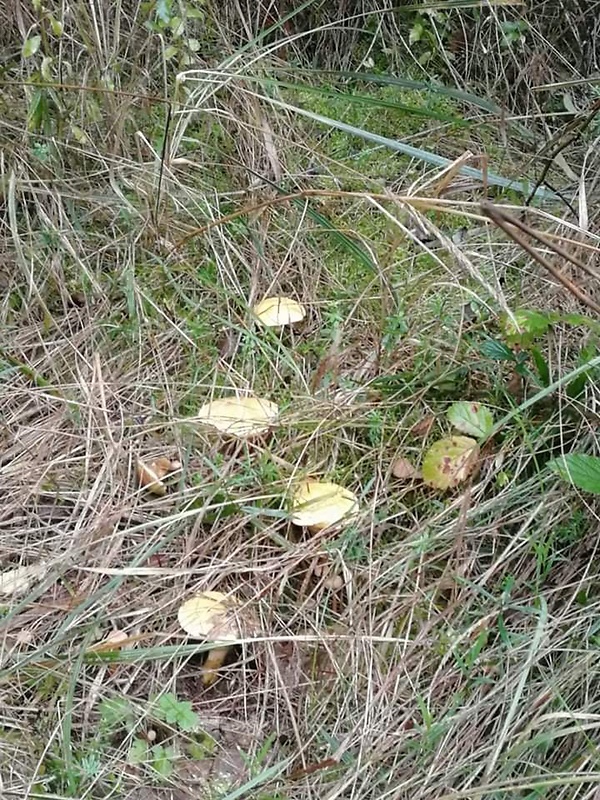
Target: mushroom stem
<point>214,661</point>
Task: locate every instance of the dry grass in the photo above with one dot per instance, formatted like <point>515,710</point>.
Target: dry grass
<point>460,658</point>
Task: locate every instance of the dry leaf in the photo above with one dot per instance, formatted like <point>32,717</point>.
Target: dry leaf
<point>114,641</point>
<point>449,462</point>
<point>227,343</point>
<point>514,386</point>
<point>423,426</point>
<point>404,470</point>
<point>25,637</point>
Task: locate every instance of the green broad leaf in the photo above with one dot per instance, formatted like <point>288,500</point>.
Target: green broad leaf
<point>497,351</point>
<point>449,462</point>
<point>200,750</point>
<point>57,26</point>
<point>163,10</point>
<point>31,46</point>
<point>79,134</point>
<point>530,325</point>
<point>138,752</point>
<point>541,365</point>
<point>473,419</point>
<point>176,712</point>
<point>37,114</point>
<point>177,26</point>
<point>579,470</point>
<point>46,68</point>
<point>576,386</point>
<point>577,319</point>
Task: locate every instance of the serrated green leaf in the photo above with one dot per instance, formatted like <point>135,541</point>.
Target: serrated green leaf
<point>527,326</point>
<point>176,712</point>
<point>31,46</point>
<point>138,752</point>
<point>115,711</point>
<point>449,462</point>
<point>497,351</point>
<point>162,759</point>
<point>580,470</point>
<point>473,419</point>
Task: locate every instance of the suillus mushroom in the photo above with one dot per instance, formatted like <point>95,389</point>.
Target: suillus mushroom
<point>317,505</point>
<point>276,312</point>
<point>150,474</point>
<point>215,617</point>
<point>243,417</point>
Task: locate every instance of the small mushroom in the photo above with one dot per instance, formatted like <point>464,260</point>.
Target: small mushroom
<point>240,416</point>
<point>317,504</point>
<point>331,580</point>
<point>216,617</point>
<point>276,312</point>
<point>150,475</point>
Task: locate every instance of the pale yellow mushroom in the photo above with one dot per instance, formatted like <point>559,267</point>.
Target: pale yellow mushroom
<point>215,617</point>
<point>243,417</point>
<point>318,504</point>
<point>276,312</point>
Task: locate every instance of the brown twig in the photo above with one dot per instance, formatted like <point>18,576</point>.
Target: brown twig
<point>561,141</point>
<point>508,223</point>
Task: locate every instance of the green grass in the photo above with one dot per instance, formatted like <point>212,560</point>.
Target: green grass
<point>459,659</point>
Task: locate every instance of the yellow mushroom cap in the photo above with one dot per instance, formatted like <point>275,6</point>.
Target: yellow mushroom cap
<point>275,312</point>
<point>318,504</point>
<point>210,615</point>
<point>239,416</point>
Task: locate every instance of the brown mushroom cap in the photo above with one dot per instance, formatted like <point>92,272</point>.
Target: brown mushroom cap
<point>150,474</point>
